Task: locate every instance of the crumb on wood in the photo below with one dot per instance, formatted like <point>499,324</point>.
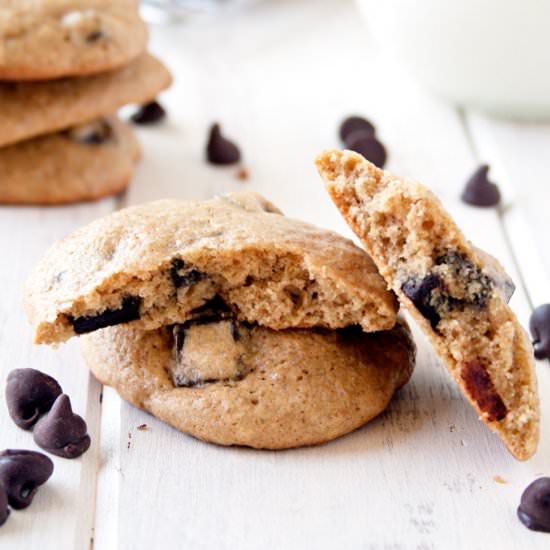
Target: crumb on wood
<point>243,174</point>
<point>142,427</point>
<point>452,428</point>
<point>499,479</point>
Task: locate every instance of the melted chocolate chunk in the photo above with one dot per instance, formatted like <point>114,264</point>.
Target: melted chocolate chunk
<point>534,508</point>
<point>481,389</point>
<point>220,150</point>
<point>182,276</point>
<point>539,325</point>
<point>93,133</point>
<point>479,191</point>
<point>151,113</point>
<point>30,393</point>
<point>367,145</point>
<point>21,474</point>
<point>110,317</point>
<point>420,294</point>
<point>353,124</point>
<point>214,310</point>
<point>62,432</point>
<point>4,510</point>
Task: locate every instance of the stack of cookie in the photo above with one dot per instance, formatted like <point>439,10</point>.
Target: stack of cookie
<point>66,67</point>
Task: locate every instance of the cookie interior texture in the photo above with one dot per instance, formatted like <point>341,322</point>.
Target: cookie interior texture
<point>457,295</point>
<point>239,384</point>
<point>168,261</point>
<point>46,39</point>
<point>82,163</point>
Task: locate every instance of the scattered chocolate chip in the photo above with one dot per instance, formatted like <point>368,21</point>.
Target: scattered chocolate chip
<point>367,145</point>
<point>62,432</point>
<point>243,174</point>
<point>183,276</point>
<point>539,325</point>
<point>479,191</point>
<point>93,133</point>
<point>353,124</point>
<point>129,311</point>
<point>22,473</point>
<point>4,510</point>
<point>142,427</point>
<point>150,113</point>
<point>220,150</point>
<point>29,393</point>
<point>480,387</point>
<point>534,508</point>
<point>420,294</point>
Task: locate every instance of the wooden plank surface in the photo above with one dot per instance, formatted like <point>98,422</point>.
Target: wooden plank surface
<point>280,77</point>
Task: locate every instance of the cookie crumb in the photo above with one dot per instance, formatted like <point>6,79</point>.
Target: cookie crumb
<point>243,174</point>
<point>499,479</point>
<point>142,427</point>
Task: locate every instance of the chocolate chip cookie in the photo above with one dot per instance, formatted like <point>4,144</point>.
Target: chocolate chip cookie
<point>46,39</point>
<point>29,109</point>
<point>454,291</point>
<point>234,383</point>
<point>171,261</point>
<point>86,162</point>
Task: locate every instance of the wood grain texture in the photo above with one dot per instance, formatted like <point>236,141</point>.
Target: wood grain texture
<point>280,76</point>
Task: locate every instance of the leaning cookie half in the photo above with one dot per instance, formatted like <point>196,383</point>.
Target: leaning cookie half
<point>455,292</point>
<point>237,384</point>
<point>86,162</point>
<point>171,261</point>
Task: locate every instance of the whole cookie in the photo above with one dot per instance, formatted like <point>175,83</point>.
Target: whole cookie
<point>234,384</point>
<point>46,39</point>
<point>29,109</point>
<point>83,163</point>
<point>456,293</point>
<point>170,261</point>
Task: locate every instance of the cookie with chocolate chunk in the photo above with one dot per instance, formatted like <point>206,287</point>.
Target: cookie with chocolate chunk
<point>29,109</point>
<point>46,39</point>
<point>86,162</point>
<point>236,383</point>
<point>170,261</point>
<point>455,292</point>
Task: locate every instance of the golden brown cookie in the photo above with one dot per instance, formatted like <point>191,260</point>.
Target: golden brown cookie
<point>29,109</point>
<point>457,294</point>
<point>83,163</point>
<point>236,384</point>
<point>46,39</point>
<point>168,261</point>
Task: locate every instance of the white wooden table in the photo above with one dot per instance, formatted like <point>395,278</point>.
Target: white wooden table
<point>280,76</point>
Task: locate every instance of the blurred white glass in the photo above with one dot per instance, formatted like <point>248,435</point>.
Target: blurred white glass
<point>165,11</point>
<point>489,54</point>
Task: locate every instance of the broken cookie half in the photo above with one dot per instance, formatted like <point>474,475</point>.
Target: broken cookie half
<point>457,293</point>
<point>165,262</point>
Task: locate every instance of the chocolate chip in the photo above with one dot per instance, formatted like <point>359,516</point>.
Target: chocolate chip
<point>150,113</point>
<point>534,508</point>
<point>479,191</point>
<point>61,432</point>
<point>4,510</point>
<point>353,124</point>
<point>539,325</point>
<point>22,473</point>
<point>220,150</point>
<point>420,294</point>
<point>129,311</point>
<point>94,36</point>
<point>29,393</point>
<point>211,311</point>
<point>183,276</point>
<point>93,133</point>
<point>367,145</point>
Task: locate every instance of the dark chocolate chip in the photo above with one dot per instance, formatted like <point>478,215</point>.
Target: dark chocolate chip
<point>479,191</point>
<point>29,393</point>
<point>150,113</point>
<point>129,311</point>
<point>93,133</point>
<point>220,150</point>
<point>22,473</point>
<point>212,311</point>
<point>354,123</point>
<point>189,277</point>
<point>4,510</point>
<point>94,36</point>
<point>539,325</point>
<point>534,508</point>
<point>367,145</point>
<point>420,294</point>
<point>62,432</point>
